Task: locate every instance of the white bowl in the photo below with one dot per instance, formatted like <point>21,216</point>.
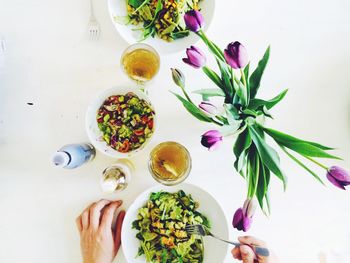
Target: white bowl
<point>117,8</point>
<point>214,250</point>
<point>94,133</point>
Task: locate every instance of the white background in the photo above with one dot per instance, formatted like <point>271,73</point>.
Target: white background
<point>51,63</point>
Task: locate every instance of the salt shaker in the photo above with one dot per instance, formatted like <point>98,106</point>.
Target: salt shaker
<point>117,176</point>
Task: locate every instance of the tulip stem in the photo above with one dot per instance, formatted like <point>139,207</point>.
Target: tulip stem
<point>316,162</point>
<point>212,47</point>
<point>243,78</point>
<point>185,93</point>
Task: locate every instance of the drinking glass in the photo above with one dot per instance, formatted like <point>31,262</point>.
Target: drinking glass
<point>170,163</point>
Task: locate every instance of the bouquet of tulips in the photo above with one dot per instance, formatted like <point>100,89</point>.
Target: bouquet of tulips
<point>242,114</point>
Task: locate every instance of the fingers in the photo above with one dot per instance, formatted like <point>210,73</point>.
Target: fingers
<point>249,240</point>
<point>107,217</point>
<point>236,253</point>
<point>79,224</point>
<point>252,241</point>
<point>247,254</point>
<point>85,219</point>
<point>95,212</point>
<point>118,230</point>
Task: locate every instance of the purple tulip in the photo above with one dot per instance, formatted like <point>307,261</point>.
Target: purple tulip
<point>236,55</point>
<point>195,57</point>
<point>243,217</point>
<point>194,20</point>
<point>338,176</point>
<point>208,108</point>
<point>211,139</point>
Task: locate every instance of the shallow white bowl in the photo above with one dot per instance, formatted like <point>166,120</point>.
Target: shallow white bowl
<point>94,133</point>
<point>214,250</point>
<point>117,8</point>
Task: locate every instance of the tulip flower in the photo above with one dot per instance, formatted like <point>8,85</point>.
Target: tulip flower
<point>178,77</point>
<point>195,57</point>
<point>338,176</point>
<point>194,20</point>
<point>243,217</point>
<point>211,139</point>
<point>208,108</point>
<point>236,55</point>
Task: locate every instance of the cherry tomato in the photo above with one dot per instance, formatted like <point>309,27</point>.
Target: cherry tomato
<point>138,132</point>
<point>144,119</point>
<point>125,146</point>
<point>150,124</point>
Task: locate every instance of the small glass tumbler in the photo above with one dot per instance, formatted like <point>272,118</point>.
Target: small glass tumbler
<point>140,62</point>
<point>116,177</point>
<point>170,163</point>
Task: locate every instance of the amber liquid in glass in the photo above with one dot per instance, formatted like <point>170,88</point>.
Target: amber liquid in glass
<point>141,64</point>
<point>170,161</point>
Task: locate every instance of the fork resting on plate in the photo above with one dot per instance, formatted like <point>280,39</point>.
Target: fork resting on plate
<point>203,231</point>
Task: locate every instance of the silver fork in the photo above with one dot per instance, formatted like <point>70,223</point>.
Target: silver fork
<point>203,231</point>
<point>93,25</point>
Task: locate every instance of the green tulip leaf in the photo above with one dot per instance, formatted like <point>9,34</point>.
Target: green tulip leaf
<point>240,149</point>
<point>226,78</point>
<point>246,73</point>
<point>306,148</point>
<point>302,165</point>
<point>191,108</point>
<point>241,91</point>
<point>214,77</point>
<point>232,115</point>
<point>255,78</point>
<point>263,185</point>
<point>253,168</point>
<point>210,92</point>
<point>256,103</point>
<point>267,154</point>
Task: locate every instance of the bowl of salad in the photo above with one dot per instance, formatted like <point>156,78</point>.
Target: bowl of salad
<point>120,121</point>
<point>154,226</point>
<point>159,23</point>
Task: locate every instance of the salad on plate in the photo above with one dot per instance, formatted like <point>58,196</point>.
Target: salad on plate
<point>161,224</point>
<point>126,122</point>
<point>164,18</point>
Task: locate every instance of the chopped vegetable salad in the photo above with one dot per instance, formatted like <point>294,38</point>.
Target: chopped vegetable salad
<point>161,17</point>
<point>161,228</point>
<point>126,122</point>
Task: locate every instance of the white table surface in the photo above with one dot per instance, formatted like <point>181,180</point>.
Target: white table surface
<point>51,63</point>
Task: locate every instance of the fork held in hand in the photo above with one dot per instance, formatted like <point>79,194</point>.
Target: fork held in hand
<point>203,231</point>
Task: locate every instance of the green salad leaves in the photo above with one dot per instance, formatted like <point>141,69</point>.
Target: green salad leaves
<point>161,228</point>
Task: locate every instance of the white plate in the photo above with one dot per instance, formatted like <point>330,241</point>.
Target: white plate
<point>94,133</point>
<point>214,250</point>
<point>117,8</point>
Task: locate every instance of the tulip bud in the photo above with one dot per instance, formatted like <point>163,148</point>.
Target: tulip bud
<point>338,177</point>
<point>195,57</point>
<point>208,108</point>
<point>178,77</point>
<point>243,217</point>
<point>211,139</point>
<point>236,55</point>
<point>194,20</point>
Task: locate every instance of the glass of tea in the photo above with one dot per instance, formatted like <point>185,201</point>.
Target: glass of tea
<point>170,163</point>
<point>140,62</point>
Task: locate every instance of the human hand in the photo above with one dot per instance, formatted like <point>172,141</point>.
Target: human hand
<point>246,254</point>
<point>99,242</point>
